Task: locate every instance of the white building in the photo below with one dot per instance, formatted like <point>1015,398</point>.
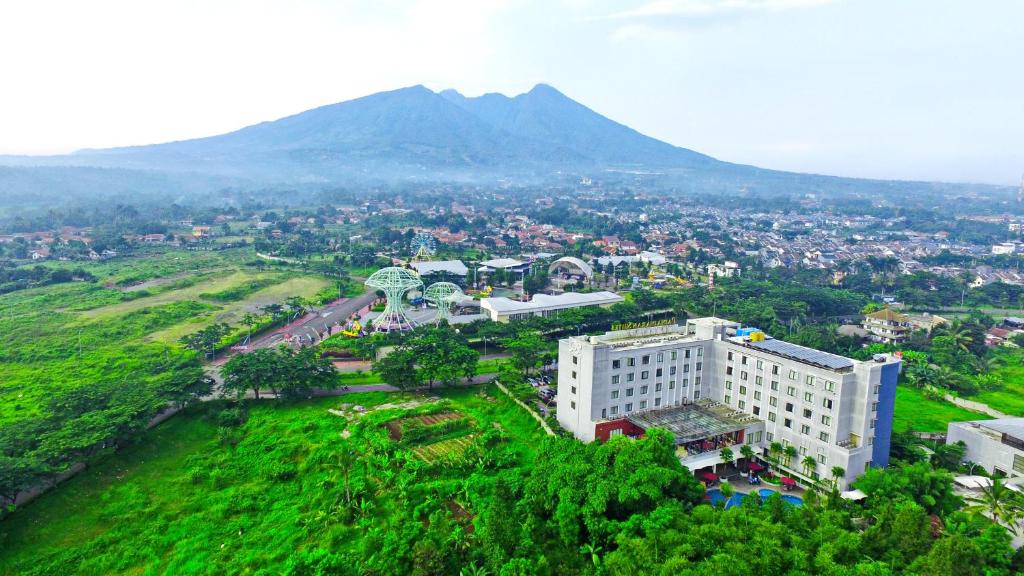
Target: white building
<point>996,445</point>
<point>1004,248</point>
<point>428,267</point>
<point>728,270</point>
<point>502,309</point>
<point>714,384</point>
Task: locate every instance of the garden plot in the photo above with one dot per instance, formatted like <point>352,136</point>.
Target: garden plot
<point>396,427</point>
<point>444,450</point>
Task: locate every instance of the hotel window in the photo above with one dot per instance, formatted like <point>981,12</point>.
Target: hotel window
<point>808,397</point>
<point>826,420</point>
<point>657,402</point>
<point>604,412</point>
<point>768,436</point>
<point>757,410</point>
<point>728,399</point>
<point>646,359</point>
<point>874,406</point>
<point>616,364</point>
<point>657,387</point>
<point>743,360</point>
<point>827,403</point>
<point>728,384</point>
<point>575,359</point>
<point>729,356</point>
<point>672,355</point>
<point>686,368</point>
<point>757,437</point>
<point>574,374</point>
<point>758,380</point>
<point>671,370</point>
<point>696,381</point>
<point>792,374</point>
<point>573,404</point>
<point>809,380</point>
<point>696,394</point>
<point>629,391</point>
<point>775,385</point>
<point>743,375</point>
<point>699,366</point>
<point>645,375</point>
<point>807,413</point>
<point>686,353</point>
<point>830,386</point>
<point>805,429</point>
<point>775,369</point>
<point>615,394</point>
<point>789,406</point>
<point>700,352</point>
<point>614,410</point>
<point>823,436</point>
<point>790,391</point>
<point>630,361</point>
<point>743,390</point>
<point>671,384</point>
<point>878,388</point>
<point>657,373</point>
<point>615,379</point>
<point>661,357</point>
<point>757,394</point>
<point>643,404</point>
<point>873,422</point>
<point>630,377</point>
<point>771,416</point>
<point>686,382</point>
<point>643,389</point>
<point>760,364</point>
<point>773,401</point>
<point>629,407</point>
<point>728,370</point>
<point>821,457</point>
<point>787,423</point>
<point>743,404</point>
<point>573,389</point>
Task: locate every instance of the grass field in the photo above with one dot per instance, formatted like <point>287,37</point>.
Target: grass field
<point>1011,373</point>
<point>183,501</point>
<point>919,414</point>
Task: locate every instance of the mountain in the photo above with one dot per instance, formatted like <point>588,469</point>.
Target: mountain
<point>407,132</point>
<point>414,134</point>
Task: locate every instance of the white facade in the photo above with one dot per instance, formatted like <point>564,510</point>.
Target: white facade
<point>996,445</point>
<point>501,309</point>
<point>829,407</point>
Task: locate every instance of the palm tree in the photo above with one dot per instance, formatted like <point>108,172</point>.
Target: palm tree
<point>727,456</point>
<point>809,464</point>
<point>594,551</point>
<point>775,449</point>
<point>727,493</point>
<point>837,473</point>
<point>748,455</point>
<point>961,336</point>
<point>473,570</point>
<point>790,453</point>
<point>999,502</point>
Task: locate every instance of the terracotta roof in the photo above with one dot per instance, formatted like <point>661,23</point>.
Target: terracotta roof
<point>888,315</point>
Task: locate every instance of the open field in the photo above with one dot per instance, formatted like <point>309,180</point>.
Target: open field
<point>1010,372</point>
<point>919,414</point>
<point>188,498</point>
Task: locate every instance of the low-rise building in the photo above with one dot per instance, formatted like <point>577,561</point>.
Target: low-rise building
<point>501,309</point>
<point>714,384</point>
<point>995,445</point>
<point>887,326</point>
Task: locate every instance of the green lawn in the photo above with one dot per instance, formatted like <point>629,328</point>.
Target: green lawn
<point>189,499</point>
<point>1011,373</point>
<point>368,377</point>
<point>919,414</point>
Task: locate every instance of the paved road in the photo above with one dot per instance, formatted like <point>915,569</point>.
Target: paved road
<point>316,323</point>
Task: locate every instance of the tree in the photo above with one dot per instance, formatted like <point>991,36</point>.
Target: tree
<point>791,453</point>
<point>999,503</point>
<point>254,371</point>
<point>775,449</point>
<point>526,348</point>
<point>809,464</point>
<point>398,368</point>
<point>207,338</point>
<point>748,455</point>
<point>727,456</point>
<point>837,474</point>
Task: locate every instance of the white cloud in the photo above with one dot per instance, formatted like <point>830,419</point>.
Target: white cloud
<point>713,8</point>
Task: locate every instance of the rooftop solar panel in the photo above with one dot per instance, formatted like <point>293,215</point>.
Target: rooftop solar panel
<point>803,354</point>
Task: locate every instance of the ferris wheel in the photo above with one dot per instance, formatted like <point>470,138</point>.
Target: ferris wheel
<point>423,246</point>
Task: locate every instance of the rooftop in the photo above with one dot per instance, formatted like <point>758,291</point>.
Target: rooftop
<point>502,263</point>
<point>799,353</point>
<point>450,266</point>
<point>568,299</point>
<point>691,421</point>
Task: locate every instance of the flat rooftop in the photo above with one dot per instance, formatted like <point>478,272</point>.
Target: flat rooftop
<point>542,301</point>
<point>691,422</point>
<point>450,266</point>
<point>796,352</point>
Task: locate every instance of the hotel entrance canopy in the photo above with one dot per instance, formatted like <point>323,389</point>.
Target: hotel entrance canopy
<point>692,422</point>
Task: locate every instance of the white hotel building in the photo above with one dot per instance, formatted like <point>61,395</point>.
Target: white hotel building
<point>713,384</point>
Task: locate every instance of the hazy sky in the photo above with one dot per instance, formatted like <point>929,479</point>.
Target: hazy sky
<point>915,89</point>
